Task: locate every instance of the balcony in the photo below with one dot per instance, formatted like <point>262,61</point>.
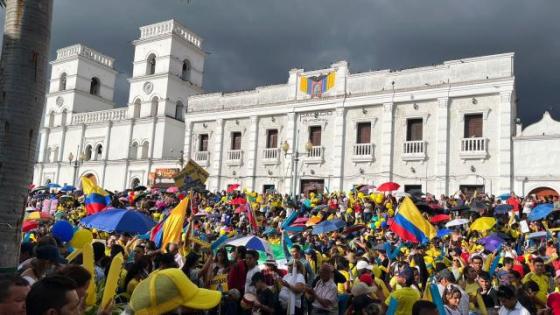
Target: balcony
<point>315,155</point>
<point>234,157</point>
<point>474,148</point>
<point>202,158</point>
<point>414,150</point>
<point>271,156</point>
<point>362,152</point>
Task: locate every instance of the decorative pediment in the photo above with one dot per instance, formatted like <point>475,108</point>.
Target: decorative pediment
<point>545,127</point>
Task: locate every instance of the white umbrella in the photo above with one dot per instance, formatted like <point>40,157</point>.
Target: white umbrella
<point>400,194</point>
<point>456,222</point>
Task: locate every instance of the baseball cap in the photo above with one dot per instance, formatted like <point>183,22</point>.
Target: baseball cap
<point>168,289</point>
<point>50,253</point>
<point>363,265</point>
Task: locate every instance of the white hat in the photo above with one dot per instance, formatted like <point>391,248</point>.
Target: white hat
<point>363,265</point>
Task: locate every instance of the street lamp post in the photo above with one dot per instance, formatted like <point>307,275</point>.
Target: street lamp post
<point>296,156</point>
<point>76,161</point>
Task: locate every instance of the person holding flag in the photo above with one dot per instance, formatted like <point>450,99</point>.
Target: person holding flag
<point>97,199</point>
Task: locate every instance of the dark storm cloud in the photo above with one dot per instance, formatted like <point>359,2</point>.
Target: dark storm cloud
<point>255,42</point>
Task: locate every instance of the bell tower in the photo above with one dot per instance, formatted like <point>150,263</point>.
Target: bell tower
<point>168,68</point>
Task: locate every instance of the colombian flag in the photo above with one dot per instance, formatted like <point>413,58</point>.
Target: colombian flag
<point>410,225</point>
<point>173,225</point>
<point>97,198</point>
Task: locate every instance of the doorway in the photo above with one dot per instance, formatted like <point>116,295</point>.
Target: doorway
<point>312,185</point>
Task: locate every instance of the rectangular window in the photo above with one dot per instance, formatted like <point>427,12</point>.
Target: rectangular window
<point>236,140</point>
<point>271,138</point>
<point>203,143</point>
<point>364,132</point>
<point>473,126</point>
<point>414,128</point>
<point>315,135</point>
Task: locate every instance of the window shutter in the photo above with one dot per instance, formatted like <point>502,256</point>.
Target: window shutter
<point>473,126</point>
<point>272,139</point>
<point>364,133</point>
<point>315,135</point>
<point>414,129</point>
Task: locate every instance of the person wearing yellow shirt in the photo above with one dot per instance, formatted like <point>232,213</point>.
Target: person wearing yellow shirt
<point>541,279</point>
<point>405,296</point>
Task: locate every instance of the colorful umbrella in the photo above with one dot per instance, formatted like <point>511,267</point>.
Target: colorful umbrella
<point>491,242</point>
<point>439,218</point>
<point>313,220</point>
<point>504,196</point>
<point>483,224</point>
<point>53,185</point>
<point>540,212</point>
<point>231,188</point>
<point>443,232</point>
<point>67,188</point>
<point>172,190</point>
<point>37,215</point>
<point>456,222</point>
<point>388,186</point>
<point>120,221</point>
<point>300,221</point>
<point>328,226</point>
<point>251,242</point>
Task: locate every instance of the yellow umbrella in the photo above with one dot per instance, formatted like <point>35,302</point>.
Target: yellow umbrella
<point>483,224</point>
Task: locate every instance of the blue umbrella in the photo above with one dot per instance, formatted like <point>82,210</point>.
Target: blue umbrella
<point>67,188</point>
<point>504,196</point>
<point>502,209</point>
<point>328,226</point>
<point>120,221</point>
<point>251,242</point>
<point>540,212</point>
<point>53,185</point>
<point>443,232</point>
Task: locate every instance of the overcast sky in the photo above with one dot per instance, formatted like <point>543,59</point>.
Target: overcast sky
<point>255,42</point>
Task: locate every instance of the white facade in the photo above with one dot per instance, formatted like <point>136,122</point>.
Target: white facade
<point>239,137</point>
<point>83,132</point>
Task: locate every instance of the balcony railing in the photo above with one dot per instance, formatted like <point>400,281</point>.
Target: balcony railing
<point>202,158</point>
<point>362,152</point>
<point>234,157</point>
<point>414,150</point>
<point>315,155</point>
<point>474,148</point>
<point>271,156</point>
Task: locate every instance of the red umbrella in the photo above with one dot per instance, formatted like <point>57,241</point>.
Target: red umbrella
<point>237,201</point>
<point>438,218</point>
<point>301,221</point>
<point>388,186</point>
<point>29,225</point>
<point>232,187</point>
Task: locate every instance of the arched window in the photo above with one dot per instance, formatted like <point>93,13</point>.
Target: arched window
<point>151,64</point>
<point>186,71</point>
<point>145,147</point>
<point>48,155</point>
<point>51,119</point>
<point>137,108</point>
<point>179,111</point>
<point>133,154</point>
<point>94,86</point>
<point>63,118</point>
<point>135,183</point>
<point>98,151</point>
<point>155,102</point>
<point>87,154</point>
<point>62,83</point>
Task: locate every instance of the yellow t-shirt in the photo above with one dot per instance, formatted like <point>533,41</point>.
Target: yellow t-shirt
<point>543,282</point>
<point>340,286</point>
<point>406,297</point>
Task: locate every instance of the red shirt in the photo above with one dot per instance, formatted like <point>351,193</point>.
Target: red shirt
<point>512,201</point>
<point>236,277</point>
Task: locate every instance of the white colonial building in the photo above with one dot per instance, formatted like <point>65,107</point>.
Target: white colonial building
<point>439,128</point>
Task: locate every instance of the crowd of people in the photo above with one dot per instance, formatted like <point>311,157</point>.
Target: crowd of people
<point>362,266</point>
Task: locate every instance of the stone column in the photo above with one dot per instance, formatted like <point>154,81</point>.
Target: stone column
<point>442,148</point>
<point>188,140</point>
<point>216,166</point>
<point>338,154</point>
<point>289,158</point>
<point>43,145</point>
<point>106,151</point>
<point>127,150</point>
<point>505,132</point>
<point>387,136</point>
<point>252,152</point>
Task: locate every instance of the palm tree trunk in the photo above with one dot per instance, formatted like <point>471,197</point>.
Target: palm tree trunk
<point>23,70</point>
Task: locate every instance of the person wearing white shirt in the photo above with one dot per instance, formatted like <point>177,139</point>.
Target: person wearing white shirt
<point>508,299</point>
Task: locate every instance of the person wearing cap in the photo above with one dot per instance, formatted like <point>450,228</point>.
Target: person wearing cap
<point>170,290</point>
<point>47,258</point>
<point>405,296</point>
<point>508,299</point>
<point>366,275</point>
<point>13,291</point>
<point>538,275</point>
